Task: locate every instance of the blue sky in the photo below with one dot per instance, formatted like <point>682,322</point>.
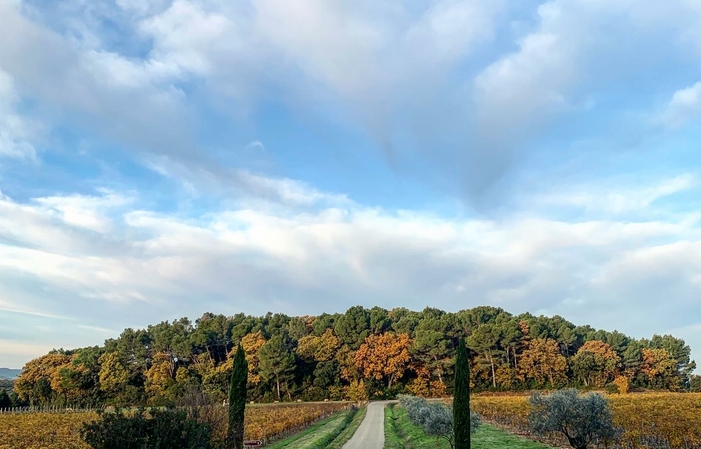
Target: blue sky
<point>161,159</point>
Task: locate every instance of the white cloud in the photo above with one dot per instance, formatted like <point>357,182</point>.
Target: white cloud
<point>684,106</point>
<point>16,130</point>
<point>160,265</point>
<point>383,66</point>
<point>85,211</point>
<point>617,199</point>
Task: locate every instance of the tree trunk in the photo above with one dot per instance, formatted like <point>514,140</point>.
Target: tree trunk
<point>277,381</point>
<point>440,371</point>
<point>494,378</point>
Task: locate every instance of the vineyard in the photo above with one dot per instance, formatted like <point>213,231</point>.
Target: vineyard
<point>655,420</point>
<point>62,430</point>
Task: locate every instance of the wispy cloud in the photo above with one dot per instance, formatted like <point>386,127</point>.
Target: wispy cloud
<point>617,198</point>
<point>684,107</point>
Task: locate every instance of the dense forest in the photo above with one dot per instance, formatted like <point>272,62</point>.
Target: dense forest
<point>362,353</point>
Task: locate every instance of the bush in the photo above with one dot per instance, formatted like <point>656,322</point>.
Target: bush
<point>168,429</point>
<point>582,419</point>
<point>436,418</point>
<point>612,388</point>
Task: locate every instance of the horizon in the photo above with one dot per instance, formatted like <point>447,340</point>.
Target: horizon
<point>167,158</point>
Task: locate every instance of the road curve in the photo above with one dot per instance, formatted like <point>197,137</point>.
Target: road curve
<point>371,432</point>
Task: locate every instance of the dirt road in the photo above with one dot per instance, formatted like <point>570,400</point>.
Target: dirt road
<point>371,433</point>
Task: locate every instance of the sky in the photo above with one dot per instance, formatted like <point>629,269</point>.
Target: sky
<point>161,159</point>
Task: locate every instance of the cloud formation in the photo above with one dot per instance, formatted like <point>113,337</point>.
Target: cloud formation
<point>163,158</point>
<point>150,264</point>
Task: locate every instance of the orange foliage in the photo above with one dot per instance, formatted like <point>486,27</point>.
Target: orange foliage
<point>384,356</point>
<point>541,360</point>
<point>622,383</point>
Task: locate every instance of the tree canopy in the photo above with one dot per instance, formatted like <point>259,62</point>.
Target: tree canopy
<point>362,353</point>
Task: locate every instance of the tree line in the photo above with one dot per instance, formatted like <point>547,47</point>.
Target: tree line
<point>360,354</point>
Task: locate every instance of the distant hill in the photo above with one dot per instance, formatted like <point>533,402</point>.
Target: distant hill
<point>7,373</point>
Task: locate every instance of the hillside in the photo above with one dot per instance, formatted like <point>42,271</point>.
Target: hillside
<point>354,355</point>
<point>7,373</point>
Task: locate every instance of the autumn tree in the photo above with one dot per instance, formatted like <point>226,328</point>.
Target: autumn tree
<point>660,369</point>
<point>595,363</point>
<point>40,380</point>
<point>384,356</point>
<point>315,358</point>
<point>160,379</point>
<point>251,345</point>
<point>114,377</point>
<point>680,352</point>
<point>319,348</point>
<point>542,362</point>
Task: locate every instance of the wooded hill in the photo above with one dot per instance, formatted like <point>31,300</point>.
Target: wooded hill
<point>354,355</point>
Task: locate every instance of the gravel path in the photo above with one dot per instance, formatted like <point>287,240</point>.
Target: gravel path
<point>371,433</point>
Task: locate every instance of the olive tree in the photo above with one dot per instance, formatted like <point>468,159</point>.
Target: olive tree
<point>583,420</point>
<point>436,418</point>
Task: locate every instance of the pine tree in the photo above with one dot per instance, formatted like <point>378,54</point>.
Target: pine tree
<point>461,399</point>
<point>237,400</point>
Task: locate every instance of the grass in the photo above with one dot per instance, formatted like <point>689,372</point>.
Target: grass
<point>349,431</point>
<point>400,433</point>
<point>318,435</point>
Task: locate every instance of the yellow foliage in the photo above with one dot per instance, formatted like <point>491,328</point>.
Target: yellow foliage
<point>622,383</point>
<point>46,367</point>
<point>319,349</point>
<point>419,387</point>
<point>251,343</point>
<point>356,391</point>
<point>113,375</point>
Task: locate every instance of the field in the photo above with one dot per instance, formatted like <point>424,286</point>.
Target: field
<point>62,430</point>
<point>649,420</point>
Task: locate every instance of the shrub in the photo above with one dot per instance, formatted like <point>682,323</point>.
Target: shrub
<point>168,429</point>
<point>582,419</point>
<point>436,418</point>
<point>622,384</point>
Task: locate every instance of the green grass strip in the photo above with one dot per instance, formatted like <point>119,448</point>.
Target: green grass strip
<point>349,431</point>
<point>319,435</point>
<point>401,433</point>
<point>392,438</point>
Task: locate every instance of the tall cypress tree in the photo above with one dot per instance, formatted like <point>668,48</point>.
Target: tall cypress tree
<point>461,399</point>
<point>237,400</point>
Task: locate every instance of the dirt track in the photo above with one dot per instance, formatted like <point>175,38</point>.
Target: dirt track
<point>371,433</point>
